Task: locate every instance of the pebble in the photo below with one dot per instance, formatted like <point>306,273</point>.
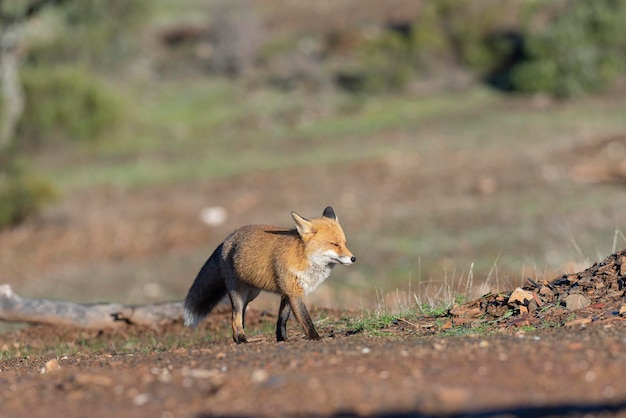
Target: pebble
<point>451,395</point>
<point>608,392</point>
<point>576,301</point>
<point>51,366</point>
<point>141,399</point>
<point>199,373</point>
<point>259,376</point>
<point>94,379</point>
<point>520,297</point>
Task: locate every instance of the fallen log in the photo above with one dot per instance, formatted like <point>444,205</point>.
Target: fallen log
<point>14,308</point>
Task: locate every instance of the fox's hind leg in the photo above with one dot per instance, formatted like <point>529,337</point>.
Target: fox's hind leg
<point>239,298</point>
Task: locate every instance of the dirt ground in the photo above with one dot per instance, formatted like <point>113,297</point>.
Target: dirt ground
<point>500,355</point>
<point>573,371</point>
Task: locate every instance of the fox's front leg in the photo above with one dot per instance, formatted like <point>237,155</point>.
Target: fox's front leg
<point>303,317</point>
<point>283,316</point>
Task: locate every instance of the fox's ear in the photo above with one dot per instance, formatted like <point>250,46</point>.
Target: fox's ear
<point>304,226</point>
<point>330,213</point>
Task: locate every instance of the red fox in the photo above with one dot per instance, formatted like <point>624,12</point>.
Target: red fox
<point>289,262</point>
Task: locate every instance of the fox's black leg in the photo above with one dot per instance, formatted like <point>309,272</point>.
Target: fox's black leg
<point>283,315</point>
<point>303,317</point>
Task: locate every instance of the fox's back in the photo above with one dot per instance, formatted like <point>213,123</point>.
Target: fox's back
<point>256,253</point>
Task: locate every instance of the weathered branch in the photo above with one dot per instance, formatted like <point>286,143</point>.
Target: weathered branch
<point>14,308</point>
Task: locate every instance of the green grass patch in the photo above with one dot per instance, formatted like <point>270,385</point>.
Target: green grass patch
<point>212,129</point>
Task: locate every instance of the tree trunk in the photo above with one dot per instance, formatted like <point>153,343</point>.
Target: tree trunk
<point>10,85</point>
<point>14,308</point>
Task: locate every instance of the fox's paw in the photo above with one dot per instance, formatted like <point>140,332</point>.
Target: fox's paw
<point>314,336</point>
<point>240,338</point>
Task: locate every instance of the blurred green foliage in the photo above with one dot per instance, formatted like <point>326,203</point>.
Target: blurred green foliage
<point>73,47</point>
<point>447,35</point>
<point>582,50</point>
<point>67,103</point>
<point>579,48</point>
<point>64,71</point>
<point>459,31</point>
<point>22,192</point>
<point>97,33</point>
<point>384,63</point>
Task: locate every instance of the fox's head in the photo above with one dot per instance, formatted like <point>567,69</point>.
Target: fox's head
<point>324,239</point>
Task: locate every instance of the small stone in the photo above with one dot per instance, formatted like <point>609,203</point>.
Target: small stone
<point>466,312</point>
<point>580,321</point>
<point>622,310</point>
<point>439,347</point>
<point>51,366</point>
<point>520,297</point>
<point>141,399</point>
<point>200,373</point>
<point>576,301</point>
<point>213,215</point>
<point>451,395</point>
<point>546,292</point>
<point>94,379</point>
<point>463,321</point>
<point>590,376</point>
<point>259,376</point>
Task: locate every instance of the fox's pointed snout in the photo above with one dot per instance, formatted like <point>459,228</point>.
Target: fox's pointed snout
<point>346,260</point>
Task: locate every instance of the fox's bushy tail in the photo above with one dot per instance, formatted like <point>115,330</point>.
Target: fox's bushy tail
<point>206,291</point>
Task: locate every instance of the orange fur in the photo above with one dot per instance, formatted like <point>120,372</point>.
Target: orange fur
<point>289,262</point>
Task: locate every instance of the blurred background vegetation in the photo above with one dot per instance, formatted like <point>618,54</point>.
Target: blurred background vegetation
<point>134,94</point>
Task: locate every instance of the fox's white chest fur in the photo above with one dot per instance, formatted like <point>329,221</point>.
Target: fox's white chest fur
<point>319,269</point>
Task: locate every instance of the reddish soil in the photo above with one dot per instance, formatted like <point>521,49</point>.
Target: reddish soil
<point>573,371</point>
<point>490,357</point>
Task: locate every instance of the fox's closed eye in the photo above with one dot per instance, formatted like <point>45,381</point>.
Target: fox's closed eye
<point>334,244</point>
